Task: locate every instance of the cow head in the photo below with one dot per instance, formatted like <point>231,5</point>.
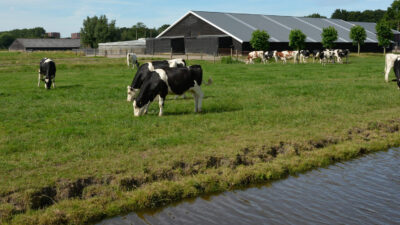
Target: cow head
<point>131,94</point>
<point>139,109</point>
<point>48,82</point>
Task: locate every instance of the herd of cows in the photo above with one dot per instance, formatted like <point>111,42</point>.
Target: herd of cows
<point>324,56</point>
<point>159,78</point>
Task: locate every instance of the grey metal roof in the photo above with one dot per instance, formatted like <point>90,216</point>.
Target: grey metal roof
<point>139,42</point>
<point>240,26</point>
<point>49,43</point>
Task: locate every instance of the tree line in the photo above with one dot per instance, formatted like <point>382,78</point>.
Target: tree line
<point>8,37</point>
<point>97,30</point>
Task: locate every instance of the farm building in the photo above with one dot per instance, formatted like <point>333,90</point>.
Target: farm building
<point>216,32</point>
<point>123,47</point>
<point>44,44</point>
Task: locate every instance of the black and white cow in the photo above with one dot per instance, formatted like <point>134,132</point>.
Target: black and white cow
<point>169,80</point>
<point>47,73</point>
<point>145,69</point>
<point>270,54</point>
<point>131,59</point>
<point>303,55</point>
<point>396,69</point>
<point>340,54</point>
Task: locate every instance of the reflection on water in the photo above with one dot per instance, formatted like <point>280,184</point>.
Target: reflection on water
<point>362,191</point>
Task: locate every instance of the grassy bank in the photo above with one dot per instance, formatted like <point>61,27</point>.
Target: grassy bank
<point>76,154</point>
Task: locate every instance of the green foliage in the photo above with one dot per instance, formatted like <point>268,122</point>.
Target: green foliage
<point>365,16</point>
<point>392,15</point>
<point>329,36</point>
<point>297,39</point>
<point>7,37</point>
<point>358,35</point>
<point>384,33</point>
<point>97,30</point>
<point>259,40</point>
<point>315,15</point>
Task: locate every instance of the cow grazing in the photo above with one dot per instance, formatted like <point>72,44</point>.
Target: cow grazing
<point>396,68</point>
<point>389,63</point>
<point>339,54</point>
<point>131,60</point>
<point>285,55</point>
<point>303,55</point>
<point>169,80</point>
<point>254,55</point>
<point>47,73</point>
<point>145,69</point>
<point>316,55</point>
<point>270,54</point>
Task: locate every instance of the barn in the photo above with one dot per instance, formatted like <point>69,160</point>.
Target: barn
<point>44,44</point>
<point>218,32</point>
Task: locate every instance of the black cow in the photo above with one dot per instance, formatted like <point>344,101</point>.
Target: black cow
<point>396,69</point>
<point>169,80</point>
<point>145,69</point>
<point>47,72</point>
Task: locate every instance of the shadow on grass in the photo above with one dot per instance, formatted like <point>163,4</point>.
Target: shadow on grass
<point>70,86</point>
<point>188,97</point>
<point>204,111</point>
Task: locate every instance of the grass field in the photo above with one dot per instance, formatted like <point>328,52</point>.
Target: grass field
<point>76,154</point>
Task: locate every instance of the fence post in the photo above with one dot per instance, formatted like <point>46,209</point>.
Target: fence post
<point>231,52</point>
<point>171,54</point>
<point>214,58</point>
<point>237,56</point>
<point>201,56</point>
<point>187,56</point>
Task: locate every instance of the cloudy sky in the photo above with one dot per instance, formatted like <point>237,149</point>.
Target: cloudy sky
<point>66,17</point>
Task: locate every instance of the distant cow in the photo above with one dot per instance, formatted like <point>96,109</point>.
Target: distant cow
<point>285,55</point>
<point>169,80</point>
<point>316,54</point>
<point>270,54</point>
<point>145,69</point>
<point>303,55</point>
<point>131,59</point>
<point>389,63</point>
<point>47,73</point>
<point>339,54</point>
<point>254,55</point>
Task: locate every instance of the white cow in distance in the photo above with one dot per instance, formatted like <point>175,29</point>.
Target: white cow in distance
<point>131,58</point>
<point>390,58</point>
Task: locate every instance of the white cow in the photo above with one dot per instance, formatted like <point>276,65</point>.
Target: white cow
<point>389,63</point>
<point>131,58</point>
<point>253,55</point>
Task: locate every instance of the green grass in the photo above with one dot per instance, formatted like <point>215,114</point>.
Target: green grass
<point>259,123</point>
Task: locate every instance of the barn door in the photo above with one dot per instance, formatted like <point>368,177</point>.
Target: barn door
<point>178,45</point>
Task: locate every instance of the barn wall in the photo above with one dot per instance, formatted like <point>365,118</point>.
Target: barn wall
<point>207,45</point>
<point>192,26</point>
<point>154,46</point>
<point>16,46</point>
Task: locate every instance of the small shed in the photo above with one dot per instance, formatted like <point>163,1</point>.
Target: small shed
<point>44,44</point>
<point>123,47</point>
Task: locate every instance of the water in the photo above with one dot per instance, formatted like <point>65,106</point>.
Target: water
<point>362,191</point>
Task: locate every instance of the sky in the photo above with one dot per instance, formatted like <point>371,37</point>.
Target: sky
<point>67,17</point>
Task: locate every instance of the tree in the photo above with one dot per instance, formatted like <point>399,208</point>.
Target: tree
<point>96,30</point>
<point>315,15</point>
<point>329,36</point>
<point>6,39</point>
<point>358,35</point>
<point>162,28</point>
<point>364,16</point>
<point>297,39</point>
<point>392,15</point>
<point>259,40</point>
<point>385,34</point>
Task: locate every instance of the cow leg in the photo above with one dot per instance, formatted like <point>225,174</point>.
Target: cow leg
<point>161,105</point>
<point>39,78</point>
<point>198,97</point>
<point>54,82</point>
